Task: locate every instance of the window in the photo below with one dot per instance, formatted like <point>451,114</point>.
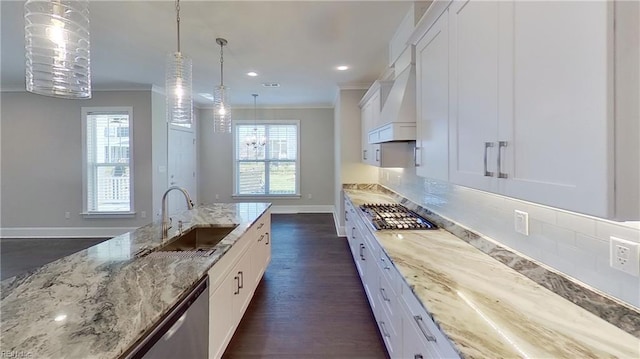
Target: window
<point>271,169</point>
<point>107,166</point>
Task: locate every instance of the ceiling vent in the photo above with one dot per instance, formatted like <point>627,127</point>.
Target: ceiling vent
<point>271,84</point>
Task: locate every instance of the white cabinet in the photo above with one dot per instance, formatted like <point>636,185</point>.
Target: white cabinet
<point>533,108</point>
<point>262,246</point>
<point>405,327</point>
<point>432,105</point>
<point>233,280</point>
<point>370,107</point>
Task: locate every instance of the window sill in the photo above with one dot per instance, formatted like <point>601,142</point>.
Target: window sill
<point>266,196</point>
<point>108,214</point>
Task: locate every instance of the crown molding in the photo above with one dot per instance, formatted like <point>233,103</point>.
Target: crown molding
<point>354,86</point>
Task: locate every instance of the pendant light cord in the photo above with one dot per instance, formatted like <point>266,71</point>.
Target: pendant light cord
<point>255,114</point>
<point>221,65</point>
<point>178,21</point>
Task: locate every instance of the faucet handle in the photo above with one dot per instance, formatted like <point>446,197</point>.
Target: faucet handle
<point>169,225</point>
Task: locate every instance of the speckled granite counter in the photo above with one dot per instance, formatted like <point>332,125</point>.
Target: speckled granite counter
<point>98,302</point>
<point>488,309</point>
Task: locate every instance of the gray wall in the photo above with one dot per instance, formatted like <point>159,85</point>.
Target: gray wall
<point>159,134</point>
<point>41,153</point>
<point>316,156</point>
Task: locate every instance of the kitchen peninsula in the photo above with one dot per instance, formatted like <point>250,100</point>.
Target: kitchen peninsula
<point>99,302</point>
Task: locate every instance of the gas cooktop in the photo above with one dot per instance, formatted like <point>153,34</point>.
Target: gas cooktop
<point>394,216</point>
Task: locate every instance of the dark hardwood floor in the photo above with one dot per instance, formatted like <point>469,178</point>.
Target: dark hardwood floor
<point>310,302</point>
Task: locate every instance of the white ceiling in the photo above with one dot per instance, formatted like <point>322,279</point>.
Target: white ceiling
<point>295,43</point>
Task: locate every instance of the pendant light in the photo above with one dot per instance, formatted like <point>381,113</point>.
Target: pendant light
<point>56,37</point>
<point>255,140</point>
<point>221,109</point>
<point>178,84</point>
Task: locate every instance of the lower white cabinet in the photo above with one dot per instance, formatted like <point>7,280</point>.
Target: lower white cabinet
<point>233,280</point>
<point>404,324</point>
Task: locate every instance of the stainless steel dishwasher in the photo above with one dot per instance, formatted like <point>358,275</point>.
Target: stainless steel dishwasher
<point>183,333</point>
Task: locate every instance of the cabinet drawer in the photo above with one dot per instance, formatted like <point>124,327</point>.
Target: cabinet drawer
<point>389,302</point>
<point>390,336</point>
<point>389,271</point>
<point>434,340</point>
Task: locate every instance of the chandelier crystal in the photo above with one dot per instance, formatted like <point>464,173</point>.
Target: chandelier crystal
<point>178,84</point>
<point>221,109</point>
<point>56,34</point>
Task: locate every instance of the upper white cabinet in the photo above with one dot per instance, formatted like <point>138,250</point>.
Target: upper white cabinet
<point>370,107</point>
<point>432,90</point>
<point>531,110</point>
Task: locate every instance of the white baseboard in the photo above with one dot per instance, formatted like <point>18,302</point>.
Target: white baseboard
<point>63,232</point>
<point>302,209</point>
<point>340,231</point>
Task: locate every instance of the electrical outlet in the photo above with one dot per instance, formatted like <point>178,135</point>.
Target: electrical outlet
<point>309,196</point>
<point>143,214</point>
<point>67,215</point>
<point>624,255</point>
<point>521,220</point>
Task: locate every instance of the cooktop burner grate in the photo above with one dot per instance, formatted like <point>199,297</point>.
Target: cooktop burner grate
<point>394,216</point>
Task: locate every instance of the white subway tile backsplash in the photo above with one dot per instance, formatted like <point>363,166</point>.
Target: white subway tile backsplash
<point>559,234</point>
<point>604,230</point>
<point>574,244</point>
<point>578,223</point>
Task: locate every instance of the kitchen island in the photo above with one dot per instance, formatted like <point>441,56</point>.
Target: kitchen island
<point>99,302</point>
<point>476,295</point>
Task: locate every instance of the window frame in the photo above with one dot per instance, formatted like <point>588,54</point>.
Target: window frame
<point>236,178</point>
<point>86,111</point>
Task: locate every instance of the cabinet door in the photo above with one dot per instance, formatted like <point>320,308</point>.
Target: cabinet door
<point>473,107</point>
<point>376,121</point>
<point>261,251</point>
<point>557,146</point>
<point>222,318</point>
<point>432,87</point>
<point>245,285</point>
<point>366,119</point>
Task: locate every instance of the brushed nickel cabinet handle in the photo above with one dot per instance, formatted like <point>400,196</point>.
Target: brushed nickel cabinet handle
<point>415,156</point>
<point>268,238</point>
<point>377,155</point>
<point>241,274</point>
<point>501,174</point>
<point>383,327</point>
<point>237,285</point>
<point>384,295</point>
<point>364,154</point>
<point>384,263</point>
<point>362,251</point>
<point>261,225</point>
<point>418,356</point>
<point>261,238</point>
<point>346,213</point>
<point>424,329</point>
<point>353,230</point>
<point>486,150</point>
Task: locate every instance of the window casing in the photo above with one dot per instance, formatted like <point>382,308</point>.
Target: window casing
<point>107,149</point>
<point>269,170</point>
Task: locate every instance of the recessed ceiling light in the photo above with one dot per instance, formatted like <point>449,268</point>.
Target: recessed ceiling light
<point>342,68</point>
<point>271,84</point>
<point>252,74</point>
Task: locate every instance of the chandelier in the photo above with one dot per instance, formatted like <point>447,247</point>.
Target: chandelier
<point>255,139</point>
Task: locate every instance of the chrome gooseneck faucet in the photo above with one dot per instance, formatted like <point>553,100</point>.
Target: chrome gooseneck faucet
<point>166,221</point>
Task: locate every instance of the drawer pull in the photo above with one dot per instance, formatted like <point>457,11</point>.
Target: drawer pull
<point>384,263</point>
<point>486,149</point>
<point>268,237</point>
<point>383,328</point>
<point>353,229</point>
<point>261,238</point>
<point>237,285</point>
<point>418,356</point>
<point>361,251</point>
<point>501,174</point>
<point>241,285</point>
<point>384,295</point>
<point>261,225</point>
<point>346,213</point>
<point>424,329</point>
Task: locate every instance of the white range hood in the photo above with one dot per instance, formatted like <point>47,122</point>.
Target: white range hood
<point>399,111</point>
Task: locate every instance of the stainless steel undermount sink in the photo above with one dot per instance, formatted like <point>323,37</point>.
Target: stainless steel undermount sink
<point>199,238</point>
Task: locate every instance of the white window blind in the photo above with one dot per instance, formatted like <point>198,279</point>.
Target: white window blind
<point>107,160</point>
<point>271,169</point>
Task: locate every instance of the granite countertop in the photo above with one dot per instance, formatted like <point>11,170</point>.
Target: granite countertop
<point>486,308</point>
<point>98,302</point>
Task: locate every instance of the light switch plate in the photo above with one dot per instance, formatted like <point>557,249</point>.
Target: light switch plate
<point>624,255</point>
<point>521,220</point>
